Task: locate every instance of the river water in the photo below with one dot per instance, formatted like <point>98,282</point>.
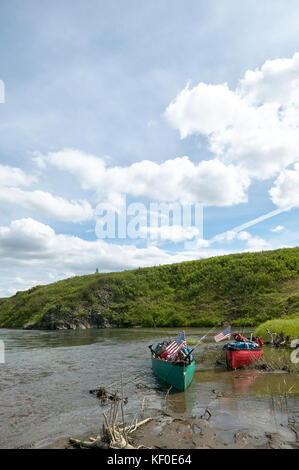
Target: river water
<point>47,375</point>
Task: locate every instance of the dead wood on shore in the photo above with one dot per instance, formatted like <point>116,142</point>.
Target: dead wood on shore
<point>115,434</point>
<point>279,340</point>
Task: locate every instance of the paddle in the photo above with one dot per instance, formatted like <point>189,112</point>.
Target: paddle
<point>203,337</point>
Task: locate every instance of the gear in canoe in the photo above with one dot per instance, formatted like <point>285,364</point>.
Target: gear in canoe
<point>243,351</point>
<point>173,362</point>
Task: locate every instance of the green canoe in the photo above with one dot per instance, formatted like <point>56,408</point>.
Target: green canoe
<point>177,374</point>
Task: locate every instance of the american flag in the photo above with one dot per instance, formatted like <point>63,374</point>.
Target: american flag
<point>224,334</point>
<point>176,345</point>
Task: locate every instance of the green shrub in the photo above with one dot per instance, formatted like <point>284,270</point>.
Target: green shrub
<point>288,327</point>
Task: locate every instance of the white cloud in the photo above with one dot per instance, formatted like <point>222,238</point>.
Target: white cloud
<point>205,108</point>
<point>254,126</point>
<point>258,244</point>
<point>11,176</point>
<point>210,182</point>
<point>31,242</point>
<point>279,228</point>
<point>253,243</point>
<point>25,240</point>
<point>275,81</point>
<point>88,169</point>
<point>173,233</point>
<point>47,204</point>
<point>285,191</point>
<point>24,284</point>
<point>34,249</point>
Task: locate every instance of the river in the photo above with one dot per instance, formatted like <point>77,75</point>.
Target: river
<point>47,375</point>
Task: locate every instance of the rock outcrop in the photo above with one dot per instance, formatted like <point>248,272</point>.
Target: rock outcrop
<point>82,317</point>
<point>70,322</point>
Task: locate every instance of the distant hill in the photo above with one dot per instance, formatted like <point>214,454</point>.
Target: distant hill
<point>244,289</point>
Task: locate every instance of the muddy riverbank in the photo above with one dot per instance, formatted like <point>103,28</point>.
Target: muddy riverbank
<point>177,431</point>
<point>227,419</point>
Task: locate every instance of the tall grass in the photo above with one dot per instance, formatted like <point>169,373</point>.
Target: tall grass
<point>290,327</point>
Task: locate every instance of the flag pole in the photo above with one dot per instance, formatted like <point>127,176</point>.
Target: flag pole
<point>204,336</point>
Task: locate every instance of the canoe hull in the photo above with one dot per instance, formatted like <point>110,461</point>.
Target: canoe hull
<point>238,359</point>
<point>178,376</point>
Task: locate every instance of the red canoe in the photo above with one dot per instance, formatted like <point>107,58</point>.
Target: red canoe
<point>243,357</point>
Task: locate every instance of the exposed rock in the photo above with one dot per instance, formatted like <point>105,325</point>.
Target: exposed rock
<point>71,323</point>
<point>83,316</point>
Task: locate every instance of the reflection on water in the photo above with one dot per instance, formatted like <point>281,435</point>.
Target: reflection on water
<point>243,400</point>
<point>180,402</point>
<point>244,380</point>
<point>45,383</point>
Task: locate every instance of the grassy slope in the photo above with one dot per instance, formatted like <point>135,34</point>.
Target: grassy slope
<point>290,327</point>
<point>247,288</point>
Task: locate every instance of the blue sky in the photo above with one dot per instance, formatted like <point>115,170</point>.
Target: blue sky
<point>94,90</point>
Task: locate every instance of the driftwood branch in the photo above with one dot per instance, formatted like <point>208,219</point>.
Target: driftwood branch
<point>278,340</point>
<point>115,434</point>
<point>272,336</point>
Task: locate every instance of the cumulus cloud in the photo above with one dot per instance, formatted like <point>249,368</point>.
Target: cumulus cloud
<point>173,233</point>
<point>27,241</point>
<point>210,182</point>
<point>257,244</point>
<point>275,81</point>
<point>32,248</point>
<point>253,243</point>
<point>10,176</point>
<point>205,108</point>
<point>285,191</point>
<point>47,204</point>
<point>254,126</point>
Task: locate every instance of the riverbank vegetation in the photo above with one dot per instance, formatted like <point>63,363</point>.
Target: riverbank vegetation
<point>290,327</point>
<point>243,289</point>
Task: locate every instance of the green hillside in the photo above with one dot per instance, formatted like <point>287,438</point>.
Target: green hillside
<point>245,289</point>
